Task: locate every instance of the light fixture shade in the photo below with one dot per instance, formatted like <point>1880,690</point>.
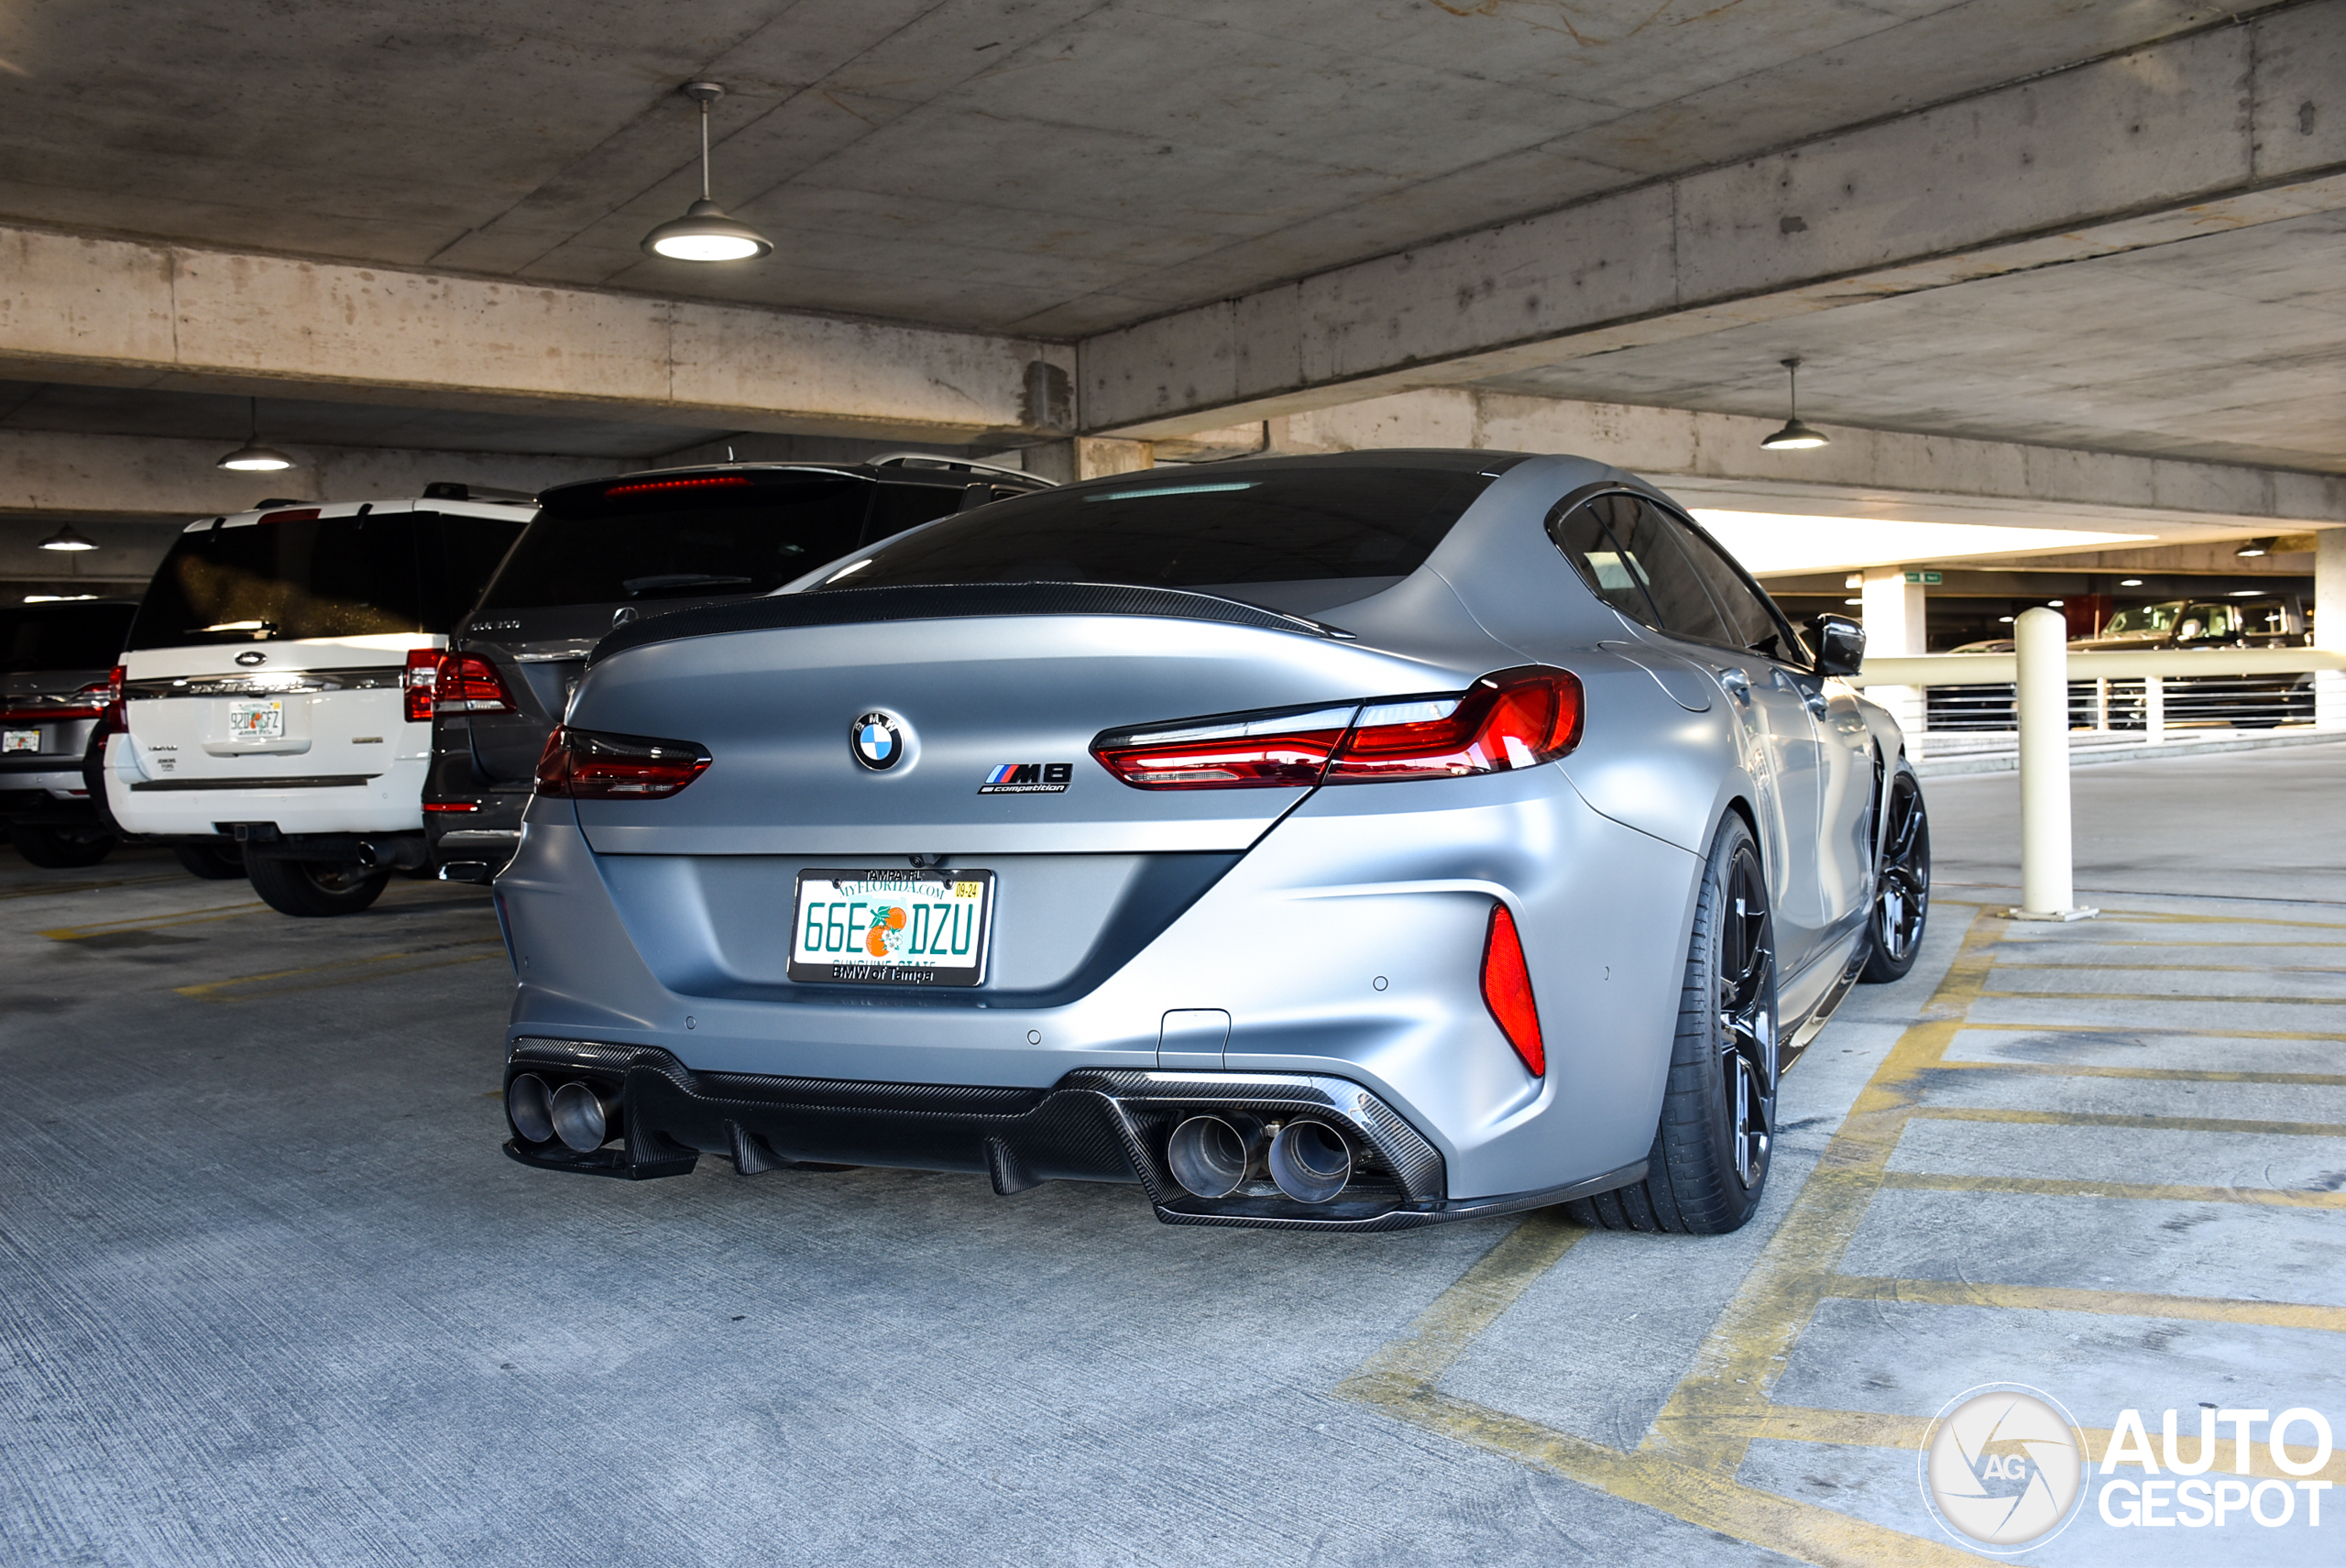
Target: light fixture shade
<point>66,539</point>
<point>253,457</point>
<point>2253,548</point>
<point>1795,436</point>
<point>706,234</point>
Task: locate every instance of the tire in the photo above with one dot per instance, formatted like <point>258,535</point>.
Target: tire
<point>56,851</point>
<point>1902,897</point>
<point>221,864</point>
<point>315,887</point>
<point>1708,1165</point>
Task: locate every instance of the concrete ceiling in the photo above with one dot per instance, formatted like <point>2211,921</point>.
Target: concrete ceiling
<point>2229,347</point>
<point>1051,167</point>
<point>297,422</point>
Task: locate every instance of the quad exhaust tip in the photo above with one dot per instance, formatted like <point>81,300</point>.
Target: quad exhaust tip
<point>574,1113</point>
<point>1214,1154</point>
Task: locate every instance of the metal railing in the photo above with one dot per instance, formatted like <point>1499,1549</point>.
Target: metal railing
<point>2043,703</point>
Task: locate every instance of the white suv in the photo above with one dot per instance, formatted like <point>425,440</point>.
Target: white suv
<point>277,686</point>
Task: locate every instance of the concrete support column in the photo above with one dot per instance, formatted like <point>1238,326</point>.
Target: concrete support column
<point>1088,458</point>
<point>2330,625</point>
<point>1893,613</point>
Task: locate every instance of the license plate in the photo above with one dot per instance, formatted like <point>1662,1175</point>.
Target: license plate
<point>257,720</point>
<point>892,928</point>
<point>20,741</point>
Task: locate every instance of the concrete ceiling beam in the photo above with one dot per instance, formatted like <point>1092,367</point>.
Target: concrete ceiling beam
<point>62,476</point>
<point>2233,127</point>
<point>1716,460</point>
<point>132,313</point>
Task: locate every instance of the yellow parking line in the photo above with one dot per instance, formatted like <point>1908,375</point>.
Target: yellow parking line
<point>2101,1303</point>
<point>1871,1428</point>
<point>209,912</point>
<point>2160,1031</point>
<point>349,972</point>
<point>2255,1197</point>
<point>2155,1074</point>
<point>1481,1295</point>
<point>2113,1119</point>
<point>2163,999</point>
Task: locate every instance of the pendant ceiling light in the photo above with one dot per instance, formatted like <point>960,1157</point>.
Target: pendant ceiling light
<point>66,539</point>
<point>1795,436</point>
<point>705,233</point>
<point>252,456</point>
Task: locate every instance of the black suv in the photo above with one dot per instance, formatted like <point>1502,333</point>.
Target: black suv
<point>602,553</point>
<point>55,685</point>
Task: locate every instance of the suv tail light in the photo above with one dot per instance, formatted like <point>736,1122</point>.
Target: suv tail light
<point>422,673</point>
<point>467,683</point>
<point>1506,991</point>
<point>89,702</point>
<point>1513,718</point>
<point>587,764</point>
<point>110,718</point>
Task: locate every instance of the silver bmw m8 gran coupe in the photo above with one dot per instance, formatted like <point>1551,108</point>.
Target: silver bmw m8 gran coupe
<point>1346,842</point>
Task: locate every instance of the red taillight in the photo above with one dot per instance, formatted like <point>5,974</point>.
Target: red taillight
<point>1506,991</point>
<point>1244,751</point>
<point>586,764</point>
<point>470,684</point>
<point>451,806</point>
<point>1515,719</point>
<point>111,716</point>
<point>696,482</point>
<point>422,672</point>
<point>89,702</point>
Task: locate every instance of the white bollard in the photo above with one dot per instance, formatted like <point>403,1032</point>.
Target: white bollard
<point>2041,637</point>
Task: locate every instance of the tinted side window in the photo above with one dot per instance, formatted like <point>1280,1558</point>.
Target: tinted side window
<point>1749,623</point>
<point>1640,544</point>
<point>76,637</point>
<point>468,551</point>
<point>895,507</point>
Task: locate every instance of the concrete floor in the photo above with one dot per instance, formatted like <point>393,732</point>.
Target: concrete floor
<point>269,1294</point>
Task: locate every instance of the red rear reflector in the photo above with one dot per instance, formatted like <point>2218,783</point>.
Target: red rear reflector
<point>1513,719</point>
<point>450,806</point>
<point>1506,991</point>
<point>586,764</point>
<point>296,514</point>
<point>699,482</point>
<point>467,683</point>
<point>422,675</point>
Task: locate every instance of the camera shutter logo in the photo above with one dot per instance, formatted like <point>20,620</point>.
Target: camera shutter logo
<point>2003,1467</point>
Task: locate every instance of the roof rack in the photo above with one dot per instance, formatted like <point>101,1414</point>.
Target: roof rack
<point>902,459</point>
<point>451,491</point>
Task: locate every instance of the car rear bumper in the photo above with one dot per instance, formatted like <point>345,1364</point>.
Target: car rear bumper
<point>1092,1125</point>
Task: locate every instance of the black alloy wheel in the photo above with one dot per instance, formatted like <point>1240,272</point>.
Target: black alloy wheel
<point>1709,1161</point>
<point>315,887</point>
<point>1901,895</point>
<point>57,849</point>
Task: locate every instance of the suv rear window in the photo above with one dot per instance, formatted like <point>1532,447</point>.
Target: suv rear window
<point>701,534</point>
<point>386,573</point>
<point>1195,528</point>
<point>68,637</point>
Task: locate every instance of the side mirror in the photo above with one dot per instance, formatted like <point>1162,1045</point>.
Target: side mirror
<point>1840,645</point>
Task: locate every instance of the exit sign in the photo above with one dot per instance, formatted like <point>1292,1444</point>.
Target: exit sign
<point>1928,579</point>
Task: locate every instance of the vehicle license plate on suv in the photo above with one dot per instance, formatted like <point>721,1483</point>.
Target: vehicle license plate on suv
<point>20,741</point>
<point>257,720</point>
<point>892,928</point>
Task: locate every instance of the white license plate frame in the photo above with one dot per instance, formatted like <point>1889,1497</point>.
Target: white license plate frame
<point>837,912</point>
<point>241,710</point>
<point>13,742</point>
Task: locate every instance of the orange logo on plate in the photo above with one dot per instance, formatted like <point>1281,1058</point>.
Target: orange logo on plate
<point>887,933</point>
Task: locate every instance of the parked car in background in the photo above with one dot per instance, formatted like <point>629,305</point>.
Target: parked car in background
<point>276,689</point>
<point>1350,843</point>
<point>54,664</point>
<point>603,553</point>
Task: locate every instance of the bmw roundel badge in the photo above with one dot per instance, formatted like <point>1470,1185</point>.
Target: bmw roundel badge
<point>878,741</point>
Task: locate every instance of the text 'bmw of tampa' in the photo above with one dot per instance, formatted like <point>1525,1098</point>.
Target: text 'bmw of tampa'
<point>1347,843</point>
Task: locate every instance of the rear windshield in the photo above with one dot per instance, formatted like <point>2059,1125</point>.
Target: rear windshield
<point>1198,530</point>
<point>388,573</point>
<point>698,535</point>
<point>75,637</point>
